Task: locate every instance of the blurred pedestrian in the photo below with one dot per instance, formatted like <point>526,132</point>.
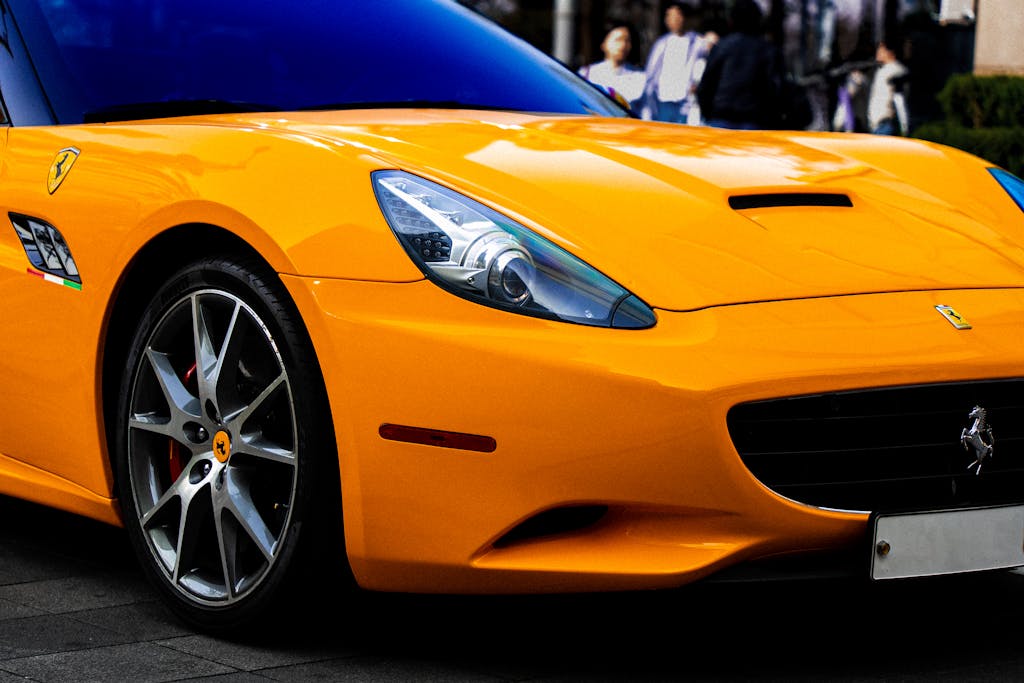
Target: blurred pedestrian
<point>886,104</point>
<point>850,80</point>
<point>741,84</point>
<point>850,103</point>
<point>673,69</point>
<point>615,72</point>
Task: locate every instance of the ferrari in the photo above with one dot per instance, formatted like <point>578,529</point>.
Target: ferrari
<point>309,294</point>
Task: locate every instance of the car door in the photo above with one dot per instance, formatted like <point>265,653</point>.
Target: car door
<point>50,435</point>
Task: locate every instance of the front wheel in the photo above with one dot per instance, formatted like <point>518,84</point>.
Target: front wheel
<point>221,449</point>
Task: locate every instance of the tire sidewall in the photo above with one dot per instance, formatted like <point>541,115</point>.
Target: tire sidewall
<point>261,290</point>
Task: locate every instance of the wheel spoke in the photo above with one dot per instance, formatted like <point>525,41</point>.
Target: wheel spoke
<point>225,370</point>
<point>258,408</point>
<point>179,400</point>
<point>252,442</point>
<point>227,358</point>
<point>227,543</point>
<point>264,450</point>
<point>239,503</point>
<point>192,516</point>
<point>178,489</point>
<point>205,354</point>
<point>149,423</point>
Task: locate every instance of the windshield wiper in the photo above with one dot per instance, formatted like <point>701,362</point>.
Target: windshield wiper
<point>171,108</point>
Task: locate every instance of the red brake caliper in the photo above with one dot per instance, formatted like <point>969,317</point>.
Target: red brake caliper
<point>175,452</point>
<point>176,461</point>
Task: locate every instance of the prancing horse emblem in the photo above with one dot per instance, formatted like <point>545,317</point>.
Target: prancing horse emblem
<point>60,167</point>
<point>978,439</point>
<point>955,319</point>
<point>222,446</point>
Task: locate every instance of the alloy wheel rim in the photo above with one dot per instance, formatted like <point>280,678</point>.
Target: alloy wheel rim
<point>212,447</point>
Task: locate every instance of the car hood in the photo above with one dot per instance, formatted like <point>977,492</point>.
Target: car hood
<point>660,207</point>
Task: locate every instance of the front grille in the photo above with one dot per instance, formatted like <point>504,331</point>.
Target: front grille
<point>885,449</point>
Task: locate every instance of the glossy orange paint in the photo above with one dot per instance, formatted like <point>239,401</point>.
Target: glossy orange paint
<point>631,420</point>
<point>751,304</point>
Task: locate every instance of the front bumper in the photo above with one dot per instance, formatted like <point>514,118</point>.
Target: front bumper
<point>633,422</point>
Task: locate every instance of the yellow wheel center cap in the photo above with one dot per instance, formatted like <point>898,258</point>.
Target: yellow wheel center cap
<point>222,446</point>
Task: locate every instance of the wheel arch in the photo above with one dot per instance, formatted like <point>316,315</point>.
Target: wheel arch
<point>152,265</point>
<point>172,255</point>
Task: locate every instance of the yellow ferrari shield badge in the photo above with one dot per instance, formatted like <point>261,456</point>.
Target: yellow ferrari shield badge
<point>60,167</point>
<point>222,446</point>
<point>957,320</point>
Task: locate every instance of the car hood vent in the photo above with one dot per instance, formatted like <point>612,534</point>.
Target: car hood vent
<point>780,199</point>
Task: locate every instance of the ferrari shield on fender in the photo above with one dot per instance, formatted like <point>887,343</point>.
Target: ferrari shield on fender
<point>60,167</point>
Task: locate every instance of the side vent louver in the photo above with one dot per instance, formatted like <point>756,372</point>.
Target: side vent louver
<point>563,520</point>
<point>45,247</point>
<point>781,199</point>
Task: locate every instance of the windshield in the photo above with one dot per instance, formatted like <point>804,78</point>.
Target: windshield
<point>119,59</point>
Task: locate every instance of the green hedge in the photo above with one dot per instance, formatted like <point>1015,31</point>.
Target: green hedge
<point>1001,146</point>
<point>984,101</point>
<point>984,116</point>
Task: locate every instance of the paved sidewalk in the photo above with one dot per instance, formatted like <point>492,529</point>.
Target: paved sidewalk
<point>74,607</point>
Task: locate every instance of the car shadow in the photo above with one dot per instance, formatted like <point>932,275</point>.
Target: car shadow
<point>853,630</point>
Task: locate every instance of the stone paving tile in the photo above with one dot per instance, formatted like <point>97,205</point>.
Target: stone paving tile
<point>243,677</point>
<point>973,674</point>
<point>511,668</point>
<point>12,610</point>
<point>51,633</point>
<point>143,621</point>
<point>98,549</point>
<point>641,675</point>
<point>75,593</point>
<point>375,670</point>
<point>137,662</point>
<point>253,655</point>
<point>18,565</point>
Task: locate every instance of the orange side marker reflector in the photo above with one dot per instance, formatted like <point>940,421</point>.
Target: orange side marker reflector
<point>436,437</point>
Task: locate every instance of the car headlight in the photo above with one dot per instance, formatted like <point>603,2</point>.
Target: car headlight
<point>1013,185</point>
<point>478,254</point>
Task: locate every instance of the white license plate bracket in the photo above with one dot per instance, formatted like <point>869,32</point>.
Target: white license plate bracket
<point>946,541</point>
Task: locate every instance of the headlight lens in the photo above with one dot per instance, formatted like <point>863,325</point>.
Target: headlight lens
<point>480,255</point>
<point>1011,183</point>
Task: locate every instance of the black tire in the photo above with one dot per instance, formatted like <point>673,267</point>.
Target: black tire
<point>224,453</point>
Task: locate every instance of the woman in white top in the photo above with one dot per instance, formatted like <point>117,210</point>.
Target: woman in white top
<point>886,108</point>
<point>615,73</point>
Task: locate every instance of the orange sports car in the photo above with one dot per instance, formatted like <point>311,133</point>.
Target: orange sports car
<point>285,283</point>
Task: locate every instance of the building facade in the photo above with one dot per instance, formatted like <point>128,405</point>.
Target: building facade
<point>998,46</point>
